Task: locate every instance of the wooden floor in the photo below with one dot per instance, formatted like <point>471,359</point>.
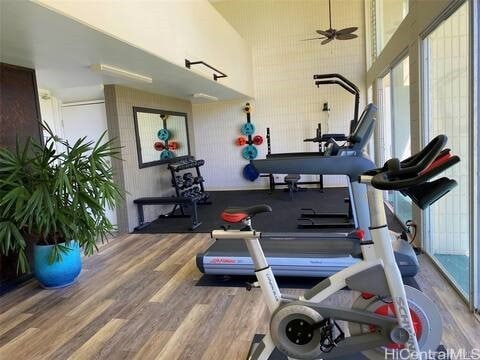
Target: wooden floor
<point>136,299</point>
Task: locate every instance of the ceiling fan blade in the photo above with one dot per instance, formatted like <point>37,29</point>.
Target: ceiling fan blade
<point>326,33</point>
<point>317,38</point>
<point>326,41</point>
<point>347,30</point>
<point>345,36</point>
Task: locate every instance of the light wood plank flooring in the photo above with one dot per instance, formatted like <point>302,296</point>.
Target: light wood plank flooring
<point>136,299</point>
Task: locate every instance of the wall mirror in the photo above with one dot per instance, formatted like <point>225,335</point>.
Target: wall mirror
<point>162,136</point>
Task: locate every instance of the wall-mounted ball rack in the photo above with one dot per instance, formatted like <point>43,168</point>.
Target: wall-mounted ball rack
<point>168,146</point>
<point>249,141</point>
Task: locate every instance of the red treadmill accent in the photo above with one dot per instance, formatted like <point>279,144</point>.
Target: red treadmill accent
<point>233,218</point>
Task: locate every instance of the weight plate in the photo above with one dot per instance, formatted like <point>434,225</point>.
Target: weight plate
<point>258,140</point>
<point>159,146</point>
<point>249,152</point>
<point>248,129</point>
<point>166,154</point>
<point>241,140</point>
<point>163,134</point>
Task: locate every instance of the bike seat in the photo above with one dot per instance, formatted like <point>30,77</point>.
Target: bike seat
<point>239,213</point>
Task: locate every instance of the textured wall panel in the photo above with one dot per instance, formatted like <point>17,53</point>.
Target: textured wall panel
<point>286,99</point>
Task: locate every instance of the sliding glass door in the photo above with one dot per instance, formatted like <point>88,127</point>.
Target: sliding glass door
<point>446,103</point>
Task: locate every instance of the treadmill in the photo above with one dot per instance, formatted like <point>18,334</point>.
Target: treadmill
<point>313,254</point>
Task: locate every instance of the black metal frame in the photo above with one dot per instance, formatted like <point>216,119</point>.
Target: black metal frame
<point>189,63</point>
<point>178,202</point>
<point>271,179</point>
<point>143,165</point>
<point>326,79</point>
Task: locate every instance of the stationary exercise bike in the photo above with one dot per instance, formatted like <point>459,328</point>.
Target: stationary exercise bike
<point>387,317</point>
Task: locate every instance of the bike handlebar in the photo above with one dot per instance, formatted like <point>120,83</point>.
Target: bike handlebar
<point>415,170</point>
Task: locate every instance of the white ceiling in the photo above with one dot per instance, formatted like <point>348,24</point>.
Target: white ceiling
<point>61,50</point>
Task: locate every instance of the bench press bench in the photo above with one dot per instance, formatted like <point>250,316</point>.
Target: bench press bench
<point>172,200</point>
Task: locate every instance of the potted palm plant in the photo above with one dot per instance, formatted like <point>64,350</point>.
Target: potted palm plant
<point>58,199</point>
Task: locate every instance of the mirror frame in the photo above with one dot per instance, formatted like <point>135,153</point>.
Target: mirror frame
<point>141,164</point>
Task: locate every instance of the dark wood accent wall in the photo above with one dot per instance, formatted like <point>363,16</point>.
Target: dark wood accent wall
<point>19,116</point>
<point>19,105</point>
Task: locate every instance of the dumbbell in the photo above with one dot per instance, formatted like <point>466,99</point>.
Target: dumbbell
<point>179,180</point>
<point>188,179</point>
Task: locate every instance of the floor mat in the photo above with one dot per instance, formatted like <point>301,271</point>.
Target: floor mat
<point>282,219</point>
<point>284,282</point>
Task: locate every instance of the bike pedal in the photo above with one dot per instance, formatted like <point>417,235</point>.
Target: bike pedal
<point>249,286</point>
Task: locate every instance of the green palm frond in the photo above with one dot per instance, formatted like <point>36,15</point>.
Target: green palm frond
<point>56,196</point>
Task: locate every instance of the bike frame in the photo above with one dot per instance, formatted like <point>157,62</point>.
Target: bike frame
<point>377,252</point>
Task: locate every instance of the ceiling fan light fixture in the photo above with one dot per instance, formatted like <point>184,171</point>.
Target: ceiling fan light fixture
<point>332,34</point>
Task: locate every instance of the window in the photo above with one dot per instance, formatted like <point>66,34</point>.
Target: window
<point>446,90</point>
<point>394,120</point>
<point>382,18</point>
<point>400,117</point>
<point>389,15</point>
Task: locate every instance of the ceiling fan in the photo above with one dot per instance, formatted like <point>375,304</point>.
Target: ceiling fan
<point>332,34</point>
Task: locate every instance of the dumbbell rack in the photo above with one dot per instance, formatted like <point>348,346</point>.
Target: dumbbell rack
<point>198,198</point>
<point>181,188</point>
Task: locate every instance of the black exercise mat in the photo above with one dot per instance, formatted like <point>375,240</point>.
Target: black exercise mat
<point>284,282</point>
<point>282,219</point>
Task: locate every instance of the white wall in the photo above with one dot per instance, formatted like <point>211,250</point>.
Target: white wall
<point>171,30</point>
<point>286,99</point>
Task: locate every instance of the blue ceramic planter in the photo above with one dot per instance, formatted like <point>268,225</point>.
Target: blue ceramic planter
<point>58,274</point>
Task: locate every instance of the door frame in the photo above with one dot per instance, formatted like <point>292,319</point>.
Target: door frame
<point>474,113</point>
